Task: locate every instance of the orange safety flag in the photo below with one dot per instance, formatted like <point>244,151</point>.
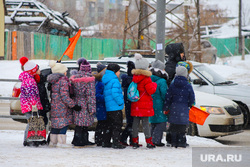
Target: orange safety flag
<point>197,115</point>
<point>70,49</point>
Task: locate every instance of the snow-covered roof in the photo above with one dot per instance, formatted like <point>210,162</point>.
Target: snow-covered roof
<point>97,28</point>
<point>32,11</point>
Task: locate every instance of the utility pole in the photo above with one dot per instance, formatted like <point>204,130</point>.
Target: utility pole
<point>198,30</point>
<point>160,30</point>
<point>143,26</point>
<point>240,34</point>
<point>186,40</point>
<point>126,4</point>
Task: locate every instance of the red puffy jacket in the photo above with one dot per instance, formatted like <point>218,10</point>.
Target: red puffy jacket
<point>144,106</point>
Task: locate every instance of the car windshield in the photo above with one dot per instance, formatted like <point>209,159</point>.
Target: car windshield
<point>211,75</point>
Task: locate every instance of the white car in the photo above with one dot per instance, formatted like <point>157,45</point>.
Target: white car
<point>225,116</point>
<point>204,79</point>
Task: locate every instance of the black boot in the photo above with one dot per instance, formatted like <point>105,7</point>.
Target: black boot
<point>174,139</point>
<point>98,136</point>
<point>106,139</point>
<point>181,138</point>
<point>85,136</point>
<point>118,145</point>
<point>78,137</point>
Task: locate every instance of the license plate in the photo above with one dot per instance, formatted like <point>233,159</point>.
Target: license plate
<point>238,121</point>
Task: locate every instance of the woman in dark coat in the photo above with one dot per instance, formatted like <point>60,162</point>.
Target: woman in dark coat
<point>175,52</point>
<point>83,85</point>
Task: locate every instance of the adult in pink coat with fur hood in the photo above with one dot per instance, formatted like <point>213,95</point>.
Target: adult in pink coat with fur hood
<point>83,85</point>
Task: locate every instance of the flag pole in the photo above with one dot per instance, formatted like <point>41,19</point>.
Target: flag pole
<point>59,61</point>
<point>70,49</point>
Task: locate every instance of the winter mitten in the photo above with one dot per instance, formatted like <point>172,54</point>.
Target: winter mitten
<point>77,108</point>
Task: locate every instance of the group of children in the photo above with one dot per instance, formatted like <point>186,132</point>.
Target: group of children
<point>86,94</point>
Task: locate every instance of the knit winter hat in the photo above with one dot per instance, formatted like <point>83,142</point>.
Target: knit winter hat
<point>100,67</point>
<point>130,66</point>
<point>28,66</point>
<point>140,62</point>
<point>84,65</point>
<point>186,64</point>
<point>113,67</point>
<point>158,64</point>
<point>57,67</point>
<point>181,71</point>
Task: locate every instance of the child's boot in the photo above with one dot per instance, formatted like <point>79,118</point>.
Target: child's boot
<point>62,141</point>
<point>53,140</point>
<point>135,142</point>
<point>150,143</point>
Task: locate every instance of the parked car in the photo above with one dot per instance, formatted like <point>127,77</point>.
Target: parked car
<point>208,51</point>
<point>225,116</point>
<point>206,80</point>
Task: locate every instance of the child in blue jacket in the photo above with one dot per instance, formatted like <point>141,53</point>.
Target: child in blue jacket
<point>114,103</point>
<point>179,98</point>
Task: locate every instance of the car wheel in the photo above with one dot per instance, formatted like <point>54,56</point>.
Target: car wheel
<point>245,113</point>
<point>192,129</point>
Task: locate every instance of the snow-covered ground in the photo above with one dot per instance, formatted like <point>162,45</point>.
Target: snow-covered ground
<point>13,153</point>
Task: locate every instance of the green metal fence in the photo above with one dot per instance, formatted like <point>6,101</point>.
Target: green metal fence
<point>45,46</point>
<point>228,46</point>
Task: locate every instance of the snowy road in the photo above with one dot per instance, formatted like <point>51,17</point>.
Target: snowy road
<point>241,139</point>
<point>13,153</point>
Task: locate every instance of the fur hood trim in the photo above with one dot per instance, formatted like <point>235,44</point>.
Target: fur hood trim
<point>82,79</point>
<point>98,76</point>
<point>141,72</point>
<point>159,72</point>
<point>191,67</point>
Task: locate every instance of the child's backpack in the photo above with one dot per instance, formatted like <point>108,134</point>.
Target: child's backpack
<point>133,93</point>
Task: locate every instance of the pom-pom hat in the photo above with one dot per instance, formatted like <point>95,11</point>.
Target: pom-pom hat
<point>140,62</point>
<point>57,67</point>
<point>28,65</point>
<point>84,65</point>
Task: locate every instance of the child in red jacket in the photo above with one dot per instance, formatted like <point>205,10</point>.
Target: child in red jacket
<point>143,108</point>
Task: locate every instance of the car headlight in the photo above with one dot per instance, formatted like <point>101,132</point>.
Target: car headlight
<point>213,110</point>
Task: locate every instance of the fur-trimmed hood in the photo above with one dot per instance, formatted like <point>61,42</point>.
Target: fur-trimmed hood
<point>98,76</point>
<point>82,79</point>
<point>141,72</point>
<point>160,73</point>
<point>53,78</point>
<point>81,76</point>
